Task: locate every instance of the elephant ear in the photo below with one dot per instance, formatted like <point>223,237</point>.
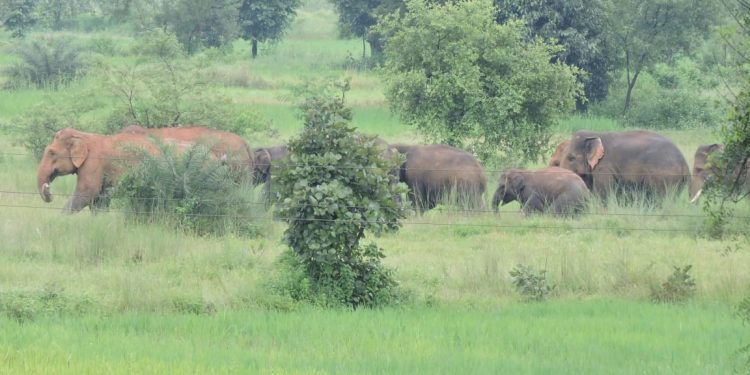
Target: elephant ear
<point>516,182</point>
<point>79,151</point>
<point>594,151</point>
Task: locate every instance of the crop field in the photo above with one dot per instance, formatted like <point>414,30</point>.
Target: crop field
<point>97,293</point>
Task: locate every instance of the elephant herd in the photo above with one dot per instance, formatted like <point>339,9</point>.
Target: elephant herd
<point>589,163</point>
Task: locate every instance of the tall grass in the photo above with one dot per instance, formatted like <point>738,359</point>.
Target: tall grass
<point>570,337</point>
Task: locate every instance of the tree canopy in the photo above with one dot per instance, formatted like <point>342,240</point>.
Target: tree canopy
<point>262,20</point>
<point>649,31</point>
<point>463,79</point>
<point>579,26</point>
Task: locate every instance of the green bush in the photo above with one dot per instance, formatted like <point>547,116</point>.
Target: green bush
<point>335,187</point>
<point>674,96</point>
<point>163,88</point>
<point>188,190</point>
<point>679,287</point>
<point>46,62</point>
<point>529,283</point>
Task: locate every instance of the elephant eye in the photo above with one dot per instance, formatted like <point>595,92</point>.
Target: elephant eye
<point>571,157</point>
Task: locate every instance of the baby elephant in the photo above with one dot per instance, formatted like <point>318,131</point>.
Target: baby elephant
<point>550,189</point>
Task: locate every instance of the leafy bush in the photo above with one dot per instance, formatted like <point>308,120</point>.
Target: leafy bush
<point>334,188</point>
<point>530,283</point>
<point>50,300</point>
<point>163,89</point>
<point>670,97</point>
<point>36,127</point>
<point>189,190</point>
<point>679,287</point>
<point>46,62</point>
<point>461,78</point>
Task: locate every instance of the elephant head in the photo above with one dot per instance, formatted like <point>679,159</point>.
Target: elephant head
<point>583,155</point>
<point>65,155</point>
<point>511,187</point>
<point>702,168</point>
<point>559,154</point>
<point>262,172</point>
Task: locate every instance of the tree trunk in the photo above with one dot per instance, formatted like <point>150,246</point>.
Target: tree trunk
<point>364,47</point>
<point>254,48</point>
<point>631,82</point>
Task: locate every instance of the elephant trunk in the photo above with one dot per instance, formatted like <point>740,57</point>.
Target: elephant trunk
<point>43,180</point>
<point>496,200</point>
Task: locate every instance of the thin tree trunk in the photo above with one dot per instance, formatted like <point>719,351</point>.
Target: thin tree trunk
<point>364,46</point>
<point>254,49</point>
<point>631,82</point>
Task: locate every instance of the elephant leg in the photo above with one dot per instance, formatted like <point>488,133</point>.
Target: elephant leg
<point>533,204</point>
<point>84,195</point>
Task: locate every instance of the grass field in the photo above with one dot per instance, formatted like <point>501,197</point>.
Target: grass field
<point>573,337</point>
<point>97,294</point>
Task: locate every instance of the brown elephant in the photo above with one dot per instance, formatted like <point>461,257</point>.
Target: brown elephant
<point>551,189</point>
<point>224,145</point>
<point>556,158</point>
<point>97,159</point>
<point>704,170</point>
<point>627,163</point>
<point>433,171</point>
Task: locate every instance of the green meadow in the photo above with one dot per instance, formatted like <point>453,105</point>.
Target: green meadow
<point>98,294</point>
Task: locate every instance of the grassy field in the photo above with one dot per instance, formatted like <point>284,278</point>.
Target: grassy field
<point>97,294</point>
<point>574,337</point>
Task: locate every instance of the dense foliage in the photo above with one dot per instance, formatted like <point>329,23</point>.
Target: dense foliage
<point>647,32</point>
<point>201,23</point>
<point>579,26</point>
<point>334,189</point>
<point>460,78</point>
<point>48,62</point>
<point>189,190</point>
<point>262,21</point>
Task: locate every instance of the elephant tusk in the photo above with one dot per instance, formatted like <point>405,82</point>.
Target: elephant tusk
<point>697,195</point>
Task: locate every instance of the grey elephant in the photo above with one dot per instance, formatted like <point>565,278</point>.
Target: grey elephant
<point>264,160</point>
<point>703,170</point>
<point>433,171</point>
<point>551,189</point>
<point>632,162</point>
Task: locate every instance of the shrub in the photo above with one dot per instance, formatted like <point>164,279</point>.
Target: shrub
<point>163,89</point>
<point>46,62</point>
<point>529,283</point>
<point>671,96</point>
<point>188,190</point>
<point>333,189</point>
<point>679,287</point>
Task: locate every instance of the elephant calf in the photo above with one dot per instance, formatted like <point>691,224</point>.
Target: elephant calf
<point>551,189</point>
<point>433,171</point>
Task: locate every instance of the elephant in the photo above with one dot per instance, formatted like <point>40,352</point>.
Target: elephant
<point>432,171</point>
<point>554,161</point>
<point>550,189</point>
<point>704,170</point>
<point>96,159</point>
<point>225,146</point>
<point>626,163</point>
<point>264,158</point>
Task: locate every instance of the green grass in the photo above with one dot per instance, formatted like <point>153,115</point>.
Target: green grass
<point>576,337</point>
<point>99,294</point>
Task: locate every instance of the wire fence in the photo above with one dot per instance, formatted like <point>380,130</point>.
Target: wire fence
<point>267,218</point>
<point>452,209</point>
<point>287,163</point>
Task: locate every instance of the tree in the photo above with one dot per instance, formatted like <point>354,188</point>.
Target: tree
<point>201,23</point>
<point>463,79</point>
<point>263,20</point>
<point>18,16</point>
<point>579,26</point>
<point>357,17</point>
<point>334,188</point>
<point>650,31</point>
